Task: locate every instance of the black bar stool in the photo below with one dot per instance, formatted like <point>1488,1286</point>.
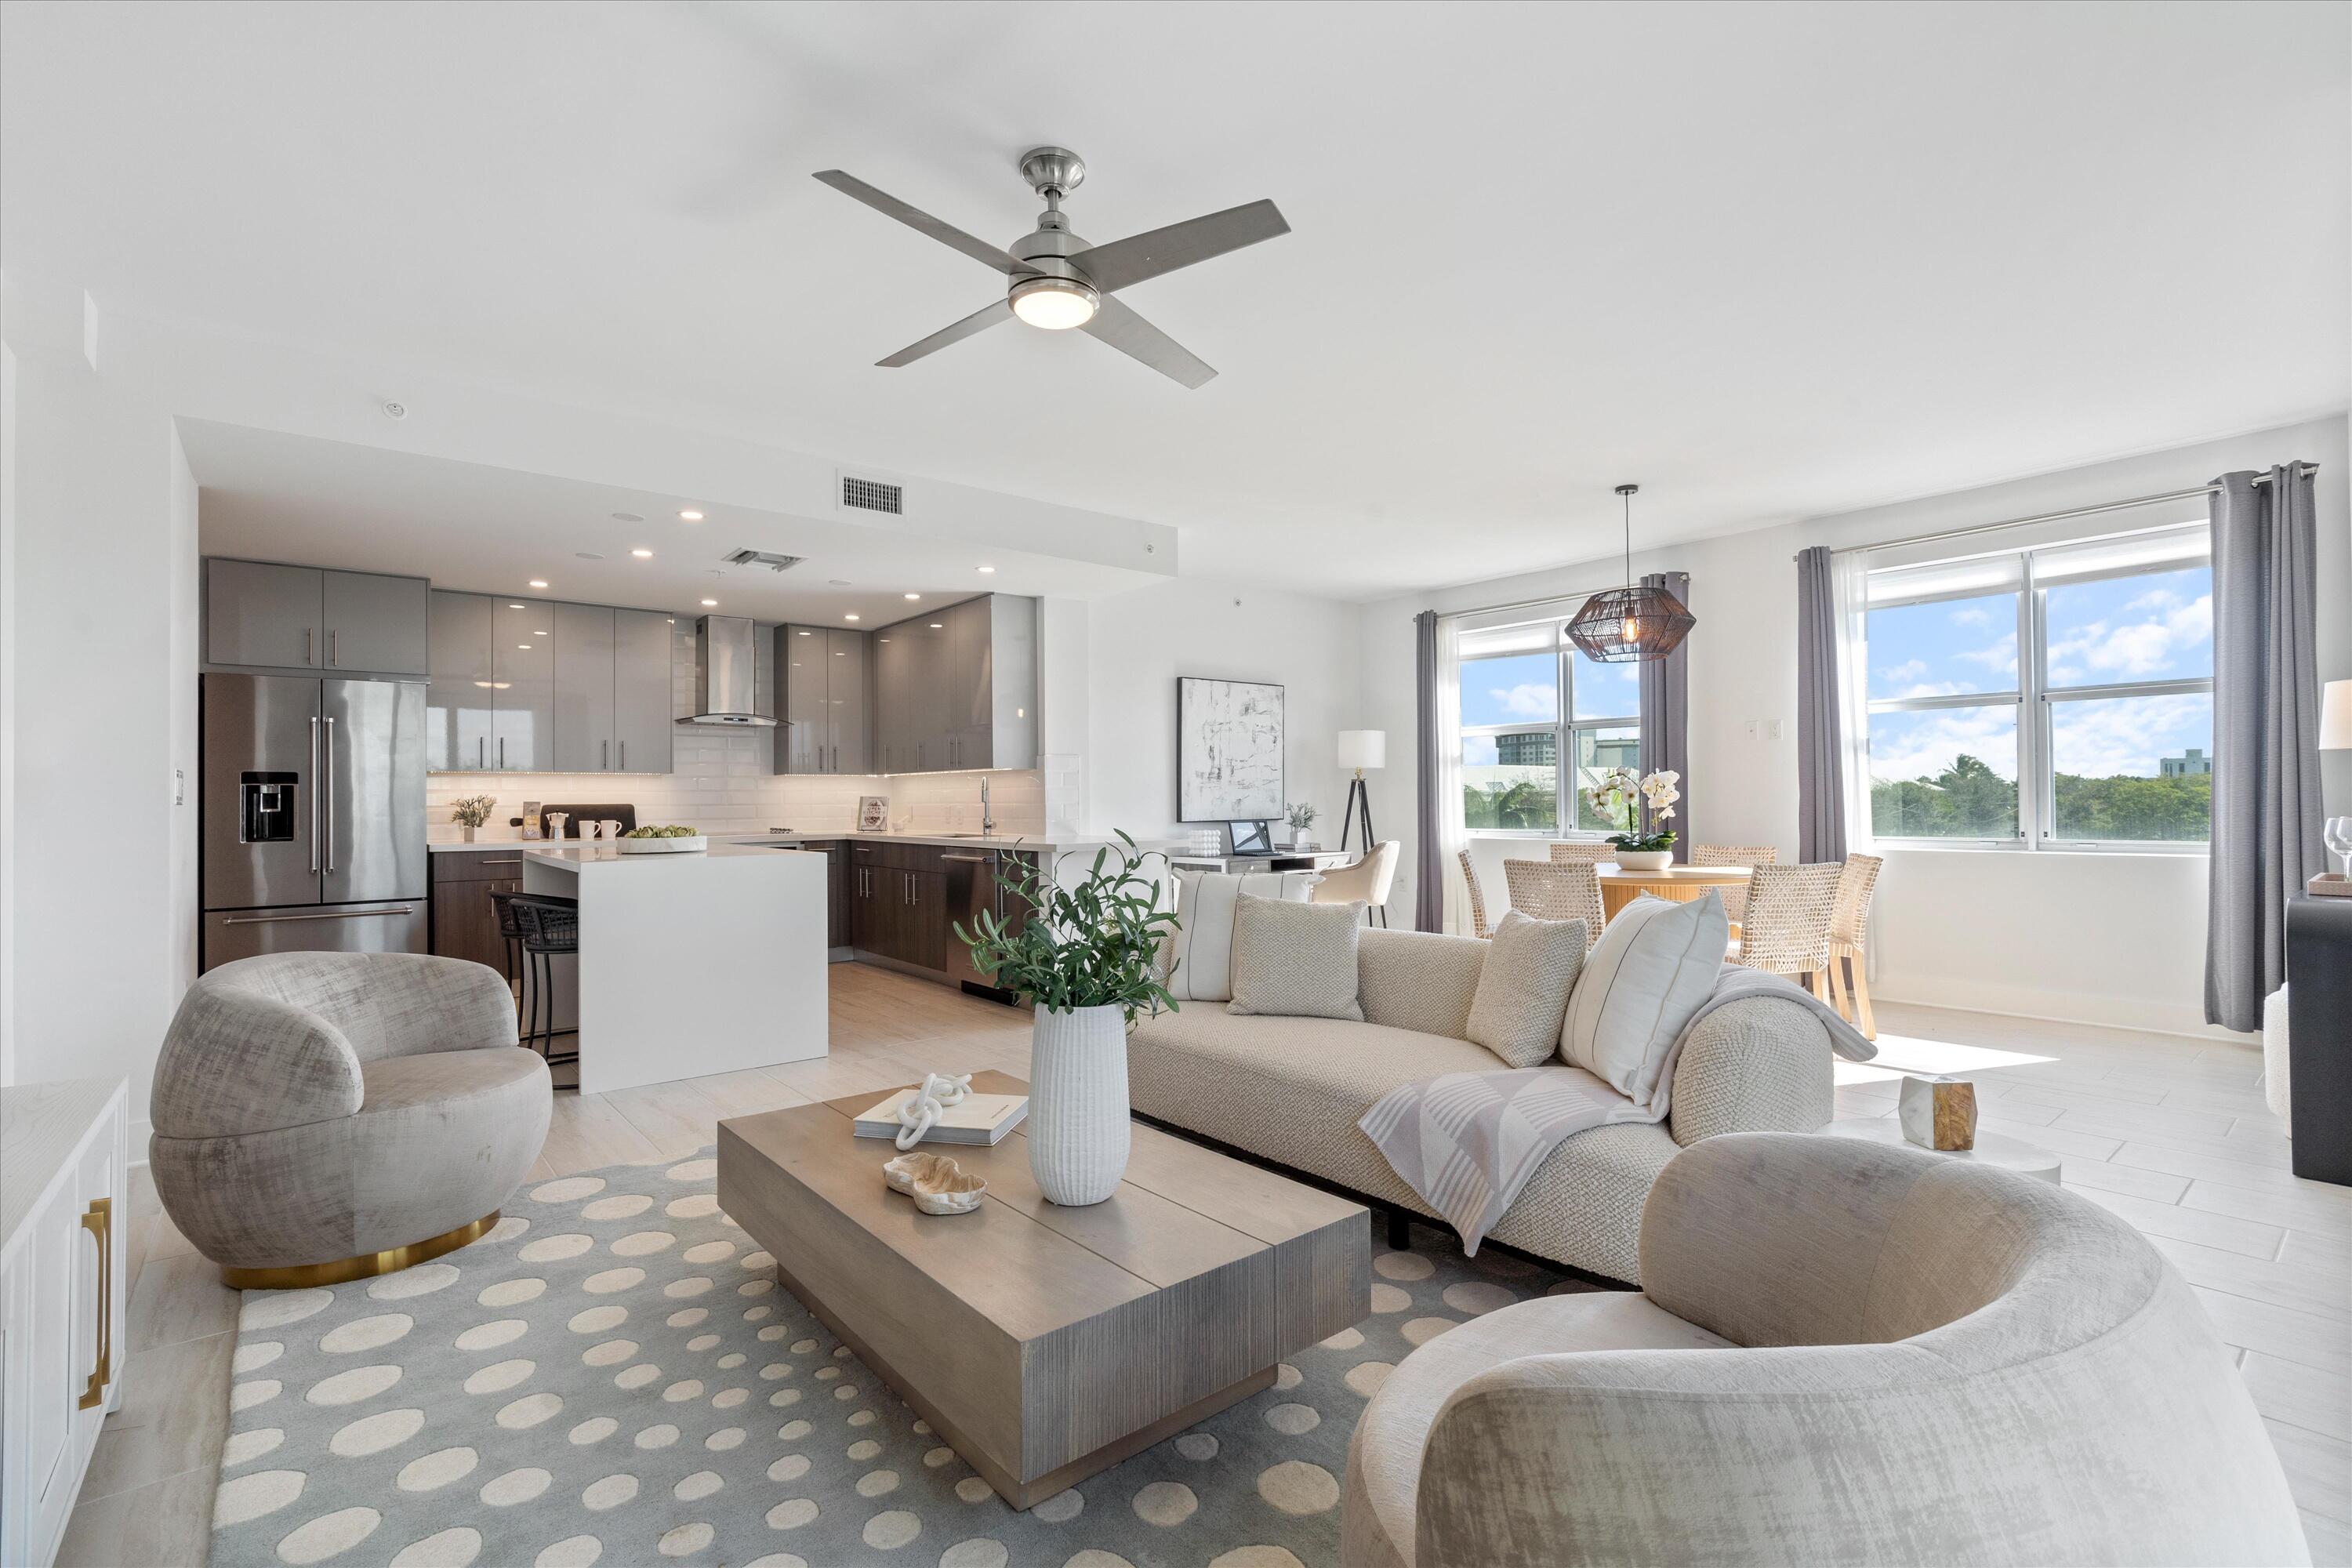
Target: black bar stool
<point>550,926</point>
<point>511,933</point>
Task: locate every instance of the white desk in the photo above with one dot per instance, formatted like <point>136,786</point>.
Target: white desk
<point>688,964</point>
<point>1280,860</point>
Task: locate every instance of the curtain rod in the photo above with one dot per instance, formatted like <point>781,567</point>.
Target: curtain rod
<point>2304,470</point>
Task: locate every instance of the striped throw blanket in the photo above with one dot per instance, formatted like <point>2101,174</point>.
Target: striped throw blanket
<point>1467,1142</point>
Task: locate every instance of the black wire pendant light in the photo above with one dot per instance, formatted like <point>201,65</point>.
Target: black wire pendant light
<point>1622,625</point>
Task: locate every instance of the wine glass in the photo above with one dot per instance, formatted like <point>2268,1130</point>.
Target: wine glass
<point>2339,838</point>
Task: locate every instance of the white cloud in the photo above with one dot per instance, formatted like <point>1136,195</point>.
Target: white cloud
<point>2142,647</point>
<point>2001,654</point>
<point>2102,739</point>
<point>1909,669</point>
<point>1972,615</point>
<point>1921,746</point>
<point>1526,700</point>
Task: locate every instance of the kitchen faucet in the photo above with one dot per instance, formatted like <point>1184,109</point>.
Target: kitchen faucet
<point>987,822</point>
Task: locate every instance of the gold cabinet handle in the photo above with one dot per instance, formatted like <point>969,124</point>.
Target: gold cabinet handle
<point>99,1220</point>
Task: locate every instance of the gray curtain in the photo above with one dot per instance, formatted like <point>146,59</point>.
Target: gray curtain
<point>2266,807</point>
<point>1429,875</point>
<point>1665,711</point>
<point>1820,754</point>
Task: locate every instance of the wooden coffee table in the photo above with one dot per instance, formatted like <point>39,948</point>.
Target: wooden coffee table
<point>1044,1343</point>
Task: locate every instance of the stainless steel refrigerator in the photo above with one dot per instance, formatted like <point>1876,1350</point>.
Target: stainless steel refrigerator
<point>313,816</point>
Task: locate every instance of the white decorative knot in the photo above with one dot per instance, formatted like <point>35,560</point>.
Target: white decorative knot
<point>921,1113</point>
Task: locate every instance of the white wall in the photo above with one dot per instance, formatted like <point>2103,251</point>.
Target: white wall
<point>2113,938</point>
<point>103,917</point>
<point>1141,641</point>
<point>8,658</point>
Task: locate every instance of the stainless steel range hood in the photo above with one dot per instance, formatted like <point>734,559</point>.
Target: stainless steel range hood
<point>725,663</point>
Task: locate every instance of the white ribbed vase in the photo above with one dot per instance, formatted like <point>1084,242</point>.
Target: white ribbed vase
<point>1078,1103</point>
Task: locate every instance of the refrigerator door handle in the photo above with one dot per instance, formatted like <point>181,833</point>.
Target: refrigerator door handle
<point>314,792</point>
<point>319,915</point>
<point>330,795</point>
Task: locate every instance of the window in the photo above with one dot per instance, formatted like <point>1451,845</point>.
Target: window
<point>1531,701</point>
<point>2060,697</point>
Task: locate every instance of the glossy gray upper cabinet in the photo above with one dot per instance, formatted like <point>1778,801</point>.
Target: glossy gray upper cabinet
<point>957,688</point>
<point>849,701</point>
<point>823,676</point>
<point>642,720</point>
<point>522,725</point>
<point>257,613</point>
<point>463,692</point>
<point>376,624</point>
<point>584,688</point>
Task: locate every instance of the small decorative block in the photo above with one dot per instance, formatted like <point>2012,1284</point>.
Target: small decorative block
<point>1940,1112</point>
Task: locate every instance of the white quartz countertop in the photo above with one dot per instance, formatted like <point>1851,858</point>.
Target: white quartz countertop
<point>573,855</point>
<point>945,840</point>
<point>41,1124</point>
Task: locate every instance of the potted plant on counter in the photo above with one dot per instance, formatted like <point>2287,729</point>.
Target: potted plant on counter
<point>1086,953</point>
<point>1640,806</point>
<point>1302,821</point>
<point>470,811</point>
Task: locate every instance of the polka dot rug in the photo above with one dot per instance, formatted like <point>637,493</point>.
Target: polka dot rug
<point>613,1376</point>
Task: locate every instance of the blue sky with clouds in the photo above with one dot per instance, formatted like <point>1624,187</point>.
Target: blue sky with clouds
<point>2154,626</point>
<point>1524,688</point>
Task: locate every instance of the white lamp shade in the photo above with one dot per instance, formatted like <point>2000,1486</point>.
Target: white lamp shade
<point>1370,747</point>
<point>2335,718</point>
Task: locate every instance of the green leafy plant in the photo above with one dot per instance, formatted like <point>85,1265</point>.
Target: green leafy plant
<point>472,810</point>
<point>1302,817</point>
<point>675,830</point>
<point>1092,944</point>
<point>1638,806</point>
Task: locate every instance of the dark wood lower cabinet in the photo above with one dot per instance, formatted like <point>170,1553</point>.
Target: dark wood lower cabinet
<point>465,922</point>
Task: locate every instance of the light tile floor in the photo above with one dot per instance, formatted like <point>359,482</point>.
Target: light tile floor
<point>2168,1132</point>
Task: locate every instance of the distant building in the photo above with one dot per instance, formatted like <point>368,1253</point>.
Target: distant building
<point>1537,749</point>
<point>1617,751</point>
<point>2194,761</point>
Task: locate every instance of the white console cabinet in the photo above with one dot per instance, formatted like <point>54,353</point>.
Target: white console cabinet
<point>64,1225</point>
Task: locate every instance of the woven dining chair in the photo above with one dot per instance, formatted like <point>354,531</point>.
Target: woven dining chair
<point>1557,892</point>
<point>1788,927</point>
<point>1849,918</point>
<point>1735,900</point>
<point>1477,901</point>
<point>1580,852</point>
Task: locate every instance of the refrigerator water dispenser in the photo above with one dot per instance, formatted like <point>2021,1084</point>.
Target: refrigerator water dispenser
<point>265,813</point>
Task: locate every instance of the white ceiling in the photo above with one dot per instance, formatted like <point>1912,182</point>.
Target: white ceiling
<point>1767,260</point>
<point>268,496</point>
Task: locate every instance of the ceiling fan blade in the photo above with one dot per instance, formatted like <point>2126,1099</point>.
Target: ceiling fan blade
<point>1130,334</point>
<point>915,218</point>
<point>979,320</point>
<point>1141,256</point>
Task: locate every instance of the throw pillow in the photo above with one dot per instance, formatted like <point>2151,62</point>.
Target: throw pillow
<point>1296,961</point>
<point>1656,961</point>
<point>1201,944</point>
<point>1523,989</point>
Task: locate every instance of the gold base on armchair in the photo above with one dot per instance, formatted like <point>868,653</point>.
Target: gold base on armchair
<point>304,1276</point>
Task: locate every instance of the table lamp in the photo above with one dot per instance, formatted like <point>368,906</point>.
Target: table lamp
<point>1359,750</point>
<point>2335,718</point>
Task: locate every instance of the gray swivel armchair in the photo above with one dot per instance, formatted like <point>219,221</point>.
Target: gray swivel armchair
<point>325,1116</point>
<point>1843,1353</point>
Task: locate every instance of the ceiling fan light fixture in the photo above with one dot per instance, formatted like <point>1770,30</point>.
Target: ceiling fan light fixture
<point>1056,304</point>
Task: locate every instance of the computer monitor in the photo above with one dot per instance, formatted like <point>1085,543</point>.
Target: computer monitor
<point>1252,837</point>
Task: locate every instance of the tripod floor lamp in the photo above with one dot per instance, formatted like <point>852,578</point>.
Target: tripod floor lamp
<point>1359,750</point>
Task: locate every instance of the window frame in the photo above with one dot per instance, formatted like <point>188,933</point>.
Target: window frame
<point>1564,729</point>
<point>2032,699</point>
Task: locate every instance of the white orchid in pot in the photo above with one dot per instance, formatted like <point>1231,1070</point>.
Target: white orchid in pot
<point>1085,953</point>
<point>1640,805</point>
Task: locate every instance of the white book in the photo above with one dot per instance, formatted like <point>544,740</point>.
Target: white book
<point>980,1119</point>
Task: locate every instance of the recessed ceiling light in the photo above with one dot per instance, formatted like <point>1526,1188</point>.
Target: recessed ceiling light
<point>626,517</point>
<point>850,617</point>
<point>988,569</point>
<point>643,554</point>
<point>518,607</point>
<point>524,647</point>
<point>710,604</point>
<point>539,582</point>
<point>690,516</point>
<point>914,596</point>
<point>808,634</point>
<point>938,625</point>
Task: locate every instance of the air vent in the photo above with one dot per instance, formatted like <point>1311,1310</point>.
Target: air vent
<point>768,558</point>
<point>873,495</point>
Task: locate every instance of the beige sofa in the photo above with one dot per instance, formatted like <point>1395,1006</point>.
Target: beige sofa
<point>1291,1091</point>
<point>1844,1352</point>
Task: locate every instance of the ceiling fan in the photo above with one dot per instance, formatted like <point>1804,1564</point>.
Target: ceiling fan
<point>1059,280</point>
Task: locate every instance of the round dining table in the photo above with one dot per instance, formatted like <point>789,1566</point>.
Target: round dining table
<point>1683,884</point>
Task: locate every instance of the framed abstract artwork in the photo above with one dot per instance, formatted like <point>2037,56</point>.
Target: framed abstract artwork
<point>1229,750</point>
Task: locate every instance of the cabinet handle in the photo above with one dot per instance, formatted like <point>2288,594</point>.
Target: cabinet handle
<point>306,644</point>
<point>335,646</point>
<point>606,756</point>
<point>516,861</point>
<point>502,753</point>
<point>625,756</point>
<point>99,1220</point>
<point>481,753</point>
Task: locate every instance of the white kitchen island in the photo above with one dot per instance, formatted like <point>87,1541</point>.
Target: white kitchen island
<point>691,963</point>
